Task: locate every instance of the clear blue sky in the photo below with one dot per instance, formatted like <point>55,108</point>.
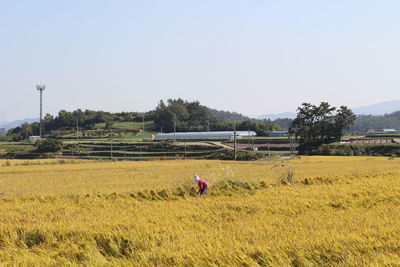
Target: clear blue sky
<point>249,56</point>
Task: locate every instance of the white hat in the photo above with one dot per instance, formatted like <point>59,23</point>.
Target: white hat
<point>196,178</point>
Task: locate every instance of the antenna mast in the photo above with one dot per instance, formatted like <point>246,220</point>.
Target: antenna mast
<point>40,87</point>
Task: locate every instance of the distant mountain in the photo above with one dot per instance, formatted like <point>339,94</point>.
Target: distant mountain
<point>13,124</point>
<point>379,108</point>
<point>285,115</point>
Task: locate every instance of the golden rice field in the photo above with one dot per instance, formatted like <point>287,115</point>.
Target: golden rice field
<point>334,211</point>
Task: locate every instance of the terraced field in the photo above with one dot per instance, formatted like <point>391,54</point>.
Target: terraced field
<point>140,150</point>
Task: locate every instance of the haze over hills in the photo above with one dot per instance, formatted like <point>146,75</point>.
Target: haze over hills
<point>379,108</point>
<point>283,115</point>
<point>13,124</point>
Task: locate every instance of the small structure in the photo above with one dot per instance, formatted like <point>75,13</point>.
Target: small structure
<point>278,134</point>
<point>368,131</point>
<point>389,131</point>
<point>381,131</point>
<point>220,135</point>
<point>34,138</point>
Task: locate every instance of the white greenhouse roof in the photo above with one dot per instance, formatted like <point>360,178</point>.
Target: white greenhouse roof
<point>221,135</point>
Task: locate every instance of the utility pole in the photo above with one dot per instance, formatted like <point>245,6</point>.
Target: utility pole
<point>292,145</point>
<point>249,139</point>
<point>174,127</point>
<point>143,127</point>
<point>208,122</point>
<point>40,87</point>
<point>77,133</point>
<point>234,140</point>
<point>292,140</point>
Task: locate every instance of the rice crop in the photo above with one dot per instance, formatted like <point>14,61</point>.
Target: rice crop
<point>332,211</point>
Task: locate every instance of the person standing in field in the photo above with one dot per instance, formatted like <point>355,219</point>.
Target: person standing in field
<point>203,186</point>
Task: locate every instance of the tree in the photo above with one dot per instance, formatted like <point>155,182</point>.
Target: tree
<point>48,122</point>
<point>65,119</point>
<point>109,125</point>
<point>49,145</point>
<point>323,124</point>
<point>187,115</point>
<point>26,130</point>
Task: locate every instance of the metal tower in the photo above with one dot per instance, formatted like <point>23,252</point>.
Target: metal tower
<point>40,87</point>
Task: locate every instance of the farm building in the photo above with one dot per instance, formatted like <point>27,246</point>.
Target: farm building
<point>278,134</point>
<point>389,131</point>
<point>221,135</point>
<point>34,138</point>
<point>381,131</point>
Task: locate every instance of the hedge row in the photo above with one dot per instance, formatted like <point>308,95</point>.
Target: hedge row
<point>335,149</point>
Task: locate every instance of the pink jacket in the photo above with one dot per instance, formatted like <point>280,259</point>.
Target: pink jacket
<point>202,184</point>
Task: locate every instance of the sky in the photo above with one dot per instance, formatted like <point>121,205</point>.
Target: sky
<point>250,56</point>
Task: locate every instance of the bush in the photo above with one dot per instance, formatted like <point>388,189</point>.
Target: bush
<point>49,145</point>
<point>15,137</point>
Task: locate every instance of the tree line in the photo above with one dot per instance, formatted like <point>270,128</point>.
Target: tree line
<point>364,122</point>
<point>184,116</point>
<point>66,120</point>
<point>175,114</point>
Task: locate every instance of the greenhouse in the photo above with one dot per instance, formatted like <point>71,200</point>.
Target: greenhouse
<point>221,135</point>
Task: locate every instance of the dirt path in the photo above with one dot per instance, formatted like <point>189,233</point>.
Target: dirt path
<point>220,144</point>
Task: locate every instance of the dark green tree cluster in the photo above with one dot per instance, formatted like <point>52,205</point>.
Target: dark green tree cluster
<point>186,116</point>
<point>48,145</point>
<point>227,115</point>
<point>191,116</point>
<point>284,123</point>
<point>323,124</point>
<point>364,122</point>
